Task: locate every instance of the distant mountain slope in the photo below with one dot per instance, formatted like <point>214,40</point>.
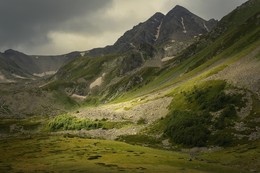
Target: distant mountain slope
<point>15,65</point>
<point>8,69</point>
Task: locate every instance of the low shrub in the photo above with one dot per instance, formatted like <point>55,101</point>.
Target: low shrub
<point>141,121</point>
<point>188,129</point>
<point>226,117</point>
<point>222,138</point>
<point>68,122</point>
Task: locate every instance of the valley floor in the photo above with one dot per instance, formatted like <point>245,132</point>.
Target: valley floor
<point>72,154</point>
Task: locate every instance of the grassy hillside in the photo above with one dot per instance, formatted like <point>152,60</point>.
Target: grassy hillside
<point>205,111</point>
<point>213,58</point>
<point>125,77</point>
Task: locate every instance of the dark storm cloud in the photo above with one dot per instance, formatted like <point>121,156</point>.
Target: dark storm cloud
<point>29,21</point>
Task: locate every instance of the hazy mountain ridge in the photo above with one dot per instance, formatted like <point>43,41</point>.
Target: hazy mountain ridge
<point>17,65</point>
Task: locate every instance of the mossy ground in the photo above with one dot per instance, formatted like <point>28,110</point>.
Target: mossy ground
<point>63,154</point>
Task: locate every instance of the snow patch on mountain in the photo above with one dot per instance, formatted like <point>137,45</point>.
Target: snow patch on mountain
<point>80,97</point>
<point>205,26</point>
<point>97,82</point>
<point>167,48</point>
<point>167,58</point>
<point>158,31</point>
<point>2,77</point>
<point>132,44</point>
<point>82,53</point>
<point>19,77</point>
<point>183,26</point>
<point>47,73</point>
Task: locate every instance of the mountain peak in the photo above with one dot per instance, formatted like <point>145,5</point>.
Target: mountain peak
<point>178,9</point>
<point>10,51</point>
<point>13,52</point>
<point>158,14</point>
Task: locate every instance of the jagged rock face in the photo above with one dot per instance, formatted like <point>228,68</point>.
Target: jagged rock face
<point>143,33</point>
<point>181,25</point>
<point>131,62</point>
<point>178,25</point>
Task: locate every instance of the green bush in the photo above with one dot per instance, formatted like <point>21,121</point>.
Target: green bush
<point>222,138</point>
<point>187,128</point>
<point>212,98</point>
<point>226,117</point>
<point>142,121</point>
<point>68,122</point>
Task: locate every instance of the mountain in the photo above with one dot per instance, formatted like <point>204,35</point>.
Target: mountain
<point>179,25</point>
<point>207,94</point>
<point>203,101</point>
<point>171,33</point>
<point>144,33</point>
<point>212,85</point>
<point>143,61</point>
<point>144,46</point>
<point>8,68</point>
<point>17,65</point>
<point>180,28</point>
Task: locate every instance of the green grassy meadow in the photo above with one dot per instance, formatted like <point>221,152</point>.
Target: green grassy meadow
<point>63,154</point>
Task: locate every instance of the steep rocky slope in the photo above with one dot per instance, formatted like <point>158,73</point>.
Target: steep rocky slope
<point>178,26</point>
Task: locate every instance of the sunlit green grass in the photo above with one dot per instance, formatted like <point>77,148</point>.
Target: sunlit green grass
<point>59,154</point>
<point>244,156</point>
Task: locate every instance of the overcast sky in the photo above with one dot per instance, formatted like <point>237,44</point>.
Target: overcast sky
<point>62,26</point>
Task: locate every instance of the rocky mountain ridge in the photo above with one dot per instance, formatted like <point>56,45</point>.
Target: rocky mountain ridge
<point>179,26</point>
